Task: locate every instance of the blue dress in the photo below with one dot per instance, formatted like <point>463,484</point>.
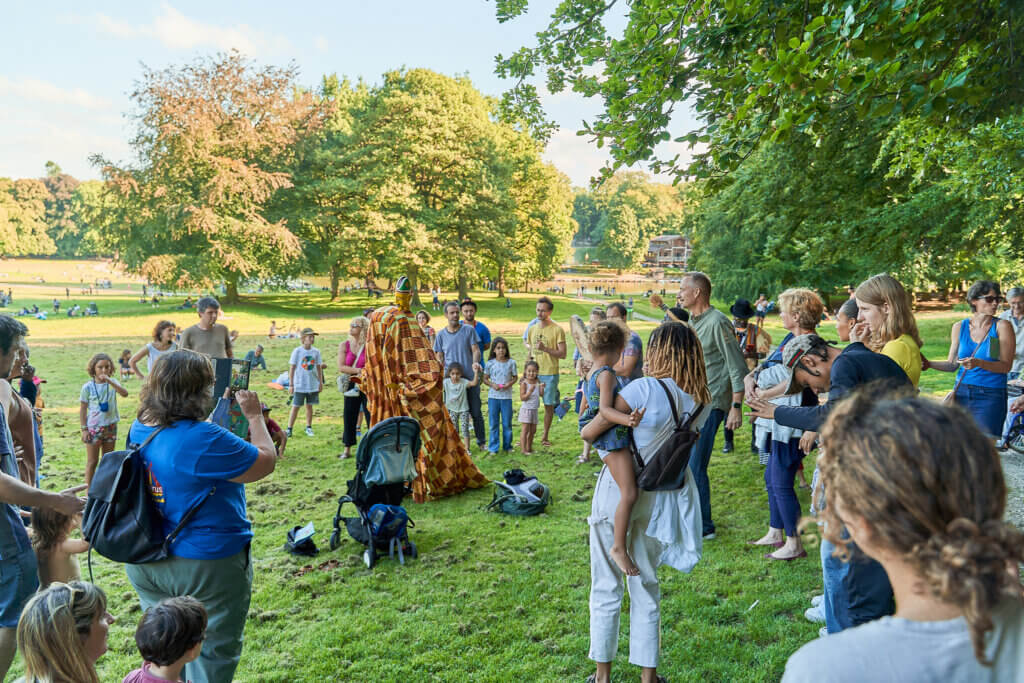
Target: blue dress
<point>617,437</point>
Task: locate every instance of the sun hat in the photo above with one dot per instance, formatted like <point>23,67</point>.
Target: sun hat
<point>307,331</point>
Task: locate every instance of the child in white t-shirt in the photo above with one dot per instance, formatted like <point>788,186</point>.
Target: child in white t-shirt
<point>98,412</point>
<point>305,379</point>
<point>455,385</point>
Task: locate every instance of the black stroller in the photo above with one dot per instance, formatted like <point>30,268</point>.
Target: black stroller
<point>385,463</point>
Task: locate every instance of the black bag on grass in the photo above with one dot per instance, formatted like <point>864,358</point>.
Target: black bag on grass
<point>520,495</point>
<point>120,520</point>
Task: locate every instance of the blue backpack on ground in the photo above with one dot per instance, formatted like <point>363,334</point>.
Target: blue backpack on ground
<point>389,526</point>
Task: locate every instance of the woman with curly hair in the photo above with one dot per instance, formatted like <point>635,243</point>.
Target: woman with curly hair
<point>919,489</point>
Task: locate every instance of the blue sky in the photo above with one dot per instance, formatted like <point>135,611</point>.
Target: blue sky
<point>66,69</point>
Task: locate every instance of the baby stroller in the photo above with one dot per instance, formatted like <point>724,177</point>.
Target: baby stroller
<point>385,463</point>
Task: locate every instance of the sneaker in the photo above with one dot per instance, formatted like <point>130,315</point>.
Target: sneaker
<point>710,537</point>
<point>352,393</point>
<point>727,448</point>
<point>309,431</point>
<point>288,432</point>
<point>817,600</point>
<point>822,632</point>
<point>815,615</point>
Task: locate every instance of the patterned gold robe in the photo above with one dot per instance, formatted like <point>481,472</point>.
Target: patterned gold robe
<point>403,377</point>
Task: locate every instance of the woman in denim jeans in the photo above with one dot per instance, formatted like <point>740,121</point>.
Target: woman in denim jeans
<point>981,353</point>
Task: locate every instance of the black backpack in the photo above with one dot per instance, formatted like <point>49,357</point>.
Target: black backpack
<point>121,521</point>
<point>666,471</point>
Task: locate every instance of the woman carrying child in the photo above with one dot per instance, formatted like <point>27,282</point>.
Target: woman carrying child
<point>98,412</point>
<point>530,390</point>
<point>606,341</point>
<point>666,525</point>
<point>500,376</point>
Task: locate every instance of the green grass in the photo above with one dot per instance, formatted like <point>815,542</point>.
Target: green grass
<point>491,598</point>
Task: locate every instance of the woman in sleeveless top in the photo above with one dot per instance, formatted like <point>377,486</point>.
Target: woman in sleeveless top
<point>351,359</point>
<point>981,353</point>
<point>163,342</point>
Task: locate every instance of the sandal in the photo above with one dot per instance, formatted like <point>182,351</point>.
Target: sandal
<point>580,460</point>
<point>547,443</point>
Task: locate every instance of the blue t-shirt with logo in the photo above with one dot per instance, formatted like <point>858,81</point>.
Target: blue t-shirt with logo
<point>184,461</point>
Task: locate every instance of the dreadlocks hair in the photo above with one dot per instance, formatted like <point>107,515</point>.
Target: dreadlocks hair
<point>884,289</point>
<point>673,350</point>
<point>930,485</point>
<point>607,336</point>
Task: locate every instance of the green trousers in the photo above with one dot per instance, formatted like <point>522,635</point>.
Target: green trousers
<point>224,586</point>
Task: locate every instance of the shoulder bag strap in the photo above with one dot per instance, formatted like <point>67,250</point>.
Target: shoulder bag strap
<point>977,347</point>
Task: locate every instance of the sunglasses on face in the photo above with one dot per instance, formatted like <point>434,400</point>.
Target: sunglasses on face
<point>990,299</point>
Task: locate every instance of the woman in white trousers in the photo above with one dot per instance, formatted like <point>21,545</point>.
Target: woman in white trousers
<point>665,526</point>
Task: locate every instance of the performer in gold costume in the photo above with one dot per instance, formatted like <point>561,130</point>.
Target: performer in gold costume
<point>403,377</point>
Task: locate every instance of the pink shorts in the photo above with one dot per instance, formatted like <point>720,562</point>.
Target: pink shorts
<point>528,416</point>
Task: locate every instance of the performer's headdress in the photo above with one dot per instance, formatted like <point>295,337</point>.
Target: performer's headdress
<point>403,293</point>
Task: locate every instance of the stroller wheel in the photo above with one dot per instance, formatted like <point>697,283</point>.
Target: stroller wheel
<point>335,539</point>
<point>369,558</point>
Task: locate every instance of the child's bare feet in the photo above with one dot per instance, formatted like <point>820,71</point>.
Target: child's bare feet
<point>624,561</point>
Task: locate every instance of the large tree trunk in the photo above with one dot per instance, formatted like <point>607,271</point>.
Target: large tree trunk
<point>501,281</point>
<point>463,288</point>
<point>231,287</point>
<point>413,273</point>
<point>335,277</point>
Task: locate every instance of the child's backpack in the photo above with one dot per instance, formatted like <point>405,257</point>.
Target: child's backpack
<point>520,495</point>
<point>389,525</point>
<point>121,521</point>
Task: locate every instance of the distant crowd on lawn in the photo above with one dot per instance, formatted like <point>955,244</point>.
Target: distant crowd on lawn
<point>919,569</point>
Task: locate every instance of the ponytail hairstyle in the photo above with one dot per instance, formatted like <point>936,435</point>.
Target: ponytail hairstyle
<point>53,628</point>
<point>674,351</point>
<point>930,486</point>
<point>607,337</point>
<point>884,289</point>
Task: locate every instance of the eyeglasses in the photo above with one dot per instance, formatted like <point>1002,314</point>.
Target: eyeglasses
<point>990,299</point>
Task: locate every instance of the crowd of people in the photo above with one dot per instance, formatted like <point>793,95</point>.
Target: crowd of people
<point>919,569</point>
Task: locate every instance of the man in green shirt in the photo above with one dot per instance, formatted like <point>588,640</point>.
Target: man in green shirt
<point>725,367</point>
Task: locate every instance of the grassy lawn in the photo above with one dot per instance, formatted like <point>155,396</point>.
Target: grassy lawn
<point>491,598</point>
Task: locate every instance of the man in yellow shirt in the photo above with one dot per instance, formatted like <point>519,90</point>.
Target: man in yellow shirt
<point>547,347</point>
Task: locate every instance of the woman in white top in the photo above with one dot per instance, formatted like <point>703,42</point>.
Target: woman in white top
<point>920,489</point>
<point>666,525</point>
<point>163,342</point>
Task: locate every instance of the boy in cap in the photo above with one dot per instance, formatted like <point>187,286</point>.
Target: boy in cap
<point>305,379</point>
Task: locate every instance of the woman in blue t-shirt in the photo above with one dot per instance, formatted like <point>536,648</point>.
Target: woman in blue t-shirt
<point>192,462</point>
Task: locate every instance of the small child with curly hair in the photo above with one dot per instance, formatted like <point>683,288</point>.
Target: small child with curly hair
<point>55,550</point>
<point>98,411</point>
<point>607,339</point>
<point>169,636</point>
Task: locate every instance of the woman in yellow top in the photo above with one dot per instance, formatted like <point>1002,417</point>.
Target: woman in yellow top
<point>886,325</point>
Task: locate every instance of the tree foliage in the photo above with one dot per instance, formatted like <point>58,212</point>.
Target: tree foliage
<point>760,71</point>
<point>213,140</point>
<point>23,224</point>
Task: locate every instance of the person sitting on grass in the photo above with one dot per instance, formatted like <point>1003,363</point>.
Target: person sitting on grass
<point>920,489</point>
<point>169,636</point>
<point>305,379</point>
<point>606,340</point>
<point>98,412</point>
<point>455,400</point>
<point>55,549</point>
<point>256,359</point>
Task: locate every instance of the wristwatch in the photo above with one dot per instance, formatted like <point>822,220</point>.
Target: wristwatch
<point>737,406</point>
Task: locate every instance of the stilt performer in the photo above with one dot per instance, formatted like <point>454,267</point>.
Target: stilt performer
<point>403,377</point>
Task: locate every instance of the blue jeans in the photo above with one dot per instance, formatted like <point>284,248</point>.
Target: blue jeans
<point>700,456</point>
<point>986,404</point>
<point>500,407</point>
<point>834,571</point>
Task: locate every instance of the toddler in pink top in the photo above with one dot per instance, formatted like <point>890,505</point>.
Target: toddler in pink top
<point>169,636</point>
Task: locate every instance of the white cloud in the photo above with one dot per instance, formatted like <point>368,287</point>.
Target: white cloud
<point>177,31</point>
<point>320,43</point>
<point>41,91</point>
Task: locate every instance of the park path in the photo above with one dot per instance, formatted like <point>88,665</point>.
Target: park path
<point>1013,471</point>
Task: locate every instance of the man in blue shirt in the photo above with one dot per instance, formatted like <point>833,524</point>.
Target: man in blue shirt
<point>460,343</point>
<point>857,591</point>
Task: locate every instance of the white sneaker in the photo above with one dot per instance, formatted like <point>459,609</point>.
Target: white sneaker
<point>309,431</point>
<point>351,393</point>
<point>822,632</point>
<point>815,615</point>
<point>817,600</point>
<point>710,537</point>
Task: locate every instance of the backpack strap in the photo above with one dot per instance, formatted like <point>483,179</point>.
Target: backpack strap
<point>671,402</point>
